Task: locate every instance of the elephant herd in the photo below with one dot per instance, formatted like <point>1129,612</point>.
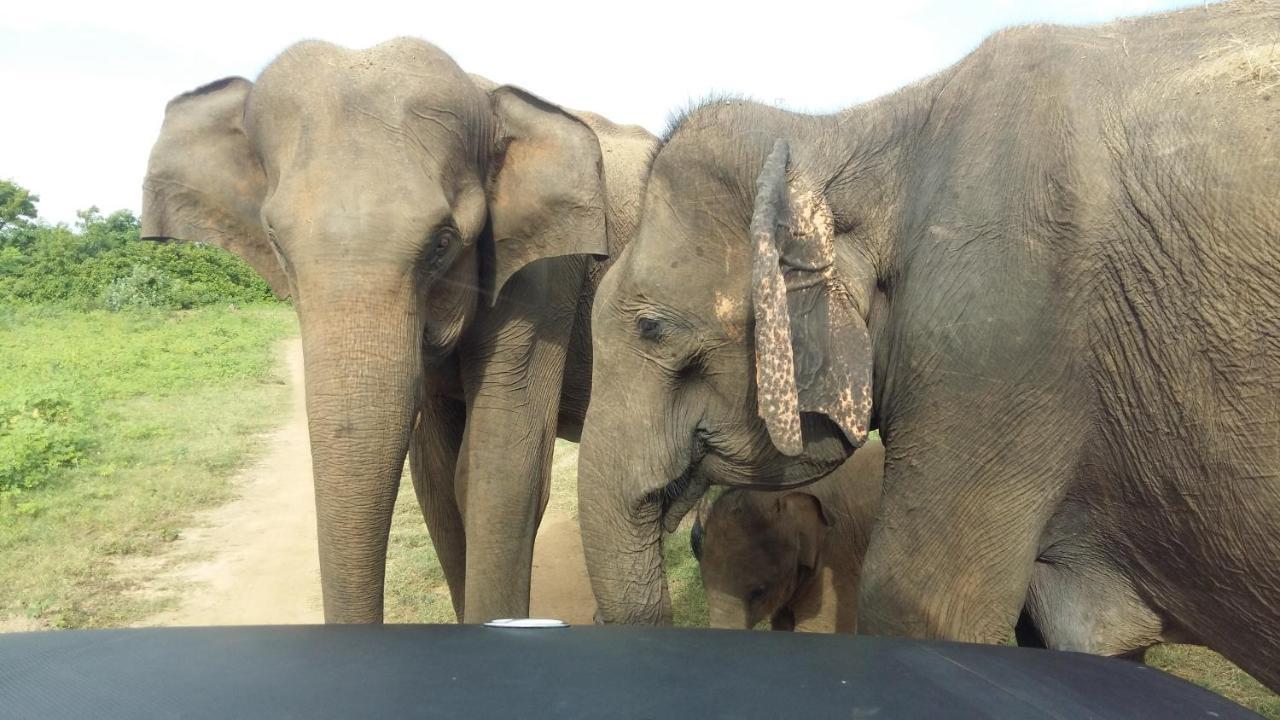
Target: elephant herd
<point>1048,275</point>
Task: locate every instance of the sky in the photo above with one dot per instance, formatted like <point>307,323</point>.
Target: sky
<point>83,84</point>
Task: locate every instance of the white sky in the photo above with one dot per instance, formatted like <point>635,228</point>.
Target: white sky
<point>83,84</point>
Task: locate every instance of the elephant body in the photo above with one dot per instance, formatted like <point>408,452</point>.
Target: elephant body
<point>442,238</point>
<point>792,557</point>
<point>1071,235</point>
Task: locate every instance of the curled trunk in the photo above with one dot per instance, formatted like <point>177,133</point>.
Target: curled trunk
<point>621,520</point>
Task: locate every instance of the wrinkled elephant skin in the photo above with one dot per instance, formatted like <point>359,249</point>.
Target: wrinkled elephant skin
<point>1053,264</point>
<point>441,238</point>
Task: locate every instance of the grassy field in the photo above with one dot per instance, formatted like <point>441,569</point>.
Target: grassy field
<point>116,427</point>
<point>1208,669</point>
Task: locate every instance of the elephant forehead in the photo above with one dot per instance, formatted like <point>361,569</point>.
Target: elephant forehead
<point>404,86</point>
<point>685,253</point>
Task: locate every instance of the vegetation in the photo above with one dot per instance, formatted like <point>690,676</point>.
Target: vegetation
<point>117,426</point>
<point>1210,670</point>
<point>120,411</point>
<point>102,264</point>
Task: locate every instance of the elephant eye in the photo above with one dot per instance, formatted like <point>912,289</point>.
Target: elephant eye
<point>445,238</point>
<point>650,328</point>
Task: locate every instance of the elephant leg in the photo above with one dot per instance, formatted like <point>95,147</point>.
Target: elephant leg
<point>512,376</point>
<point>952,551</point>
<point>504,485</point>
<point>433,460</point>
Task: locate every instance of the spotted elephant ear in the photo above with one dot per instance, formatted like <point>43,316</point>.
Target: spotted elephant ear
<point>546,188</point>
<point>204,182</point>
<point>813,353</point>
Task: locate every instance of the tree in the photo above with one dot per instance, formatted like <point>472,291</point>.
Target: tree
<point>17,205</point>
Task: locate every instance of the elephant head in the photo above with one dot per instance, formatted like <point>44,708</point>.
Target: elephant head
<point>392,196</point>
<point>758,551</point>
<point>727,350</point>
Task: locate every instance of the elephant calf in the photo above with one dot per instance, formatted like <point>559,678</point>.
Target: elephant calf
<point>792,557</point>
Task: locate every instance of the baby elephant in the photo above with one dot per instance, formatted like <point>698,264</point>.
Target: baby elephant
<point>793,557</point>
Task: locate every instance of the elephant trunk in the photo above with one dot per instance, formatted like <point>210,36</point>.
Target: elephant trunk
<point>727,612</point>
<point>621,517</point>
<point>363,367</point>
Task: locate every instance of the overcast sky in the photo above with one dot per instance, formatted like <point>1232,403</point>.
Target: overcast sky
<point>84,83</point>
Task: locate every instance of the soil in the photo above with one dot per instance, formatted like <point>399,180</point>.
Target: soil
<point>253,561</point>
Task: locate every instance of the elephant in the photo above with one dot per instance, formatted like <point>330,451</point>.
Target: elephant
<point>1046,275</point>
<point>792,557</point>
<point>441,237</point>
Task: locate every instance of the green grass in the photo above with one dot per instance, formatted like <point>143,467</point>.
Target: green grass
<point>684,583</point>
<point>416,591</point>
<point>1210,670</point>
<point>415,588</point>
<point>161,407</point>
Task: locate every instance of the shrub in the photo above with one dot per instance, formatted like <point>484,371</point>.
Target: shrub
<point>103,264</point>
<point>38,437</point>
<point>143,287</point>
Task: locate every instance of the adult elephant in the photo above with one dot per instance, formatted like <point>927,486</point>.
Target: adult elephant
<point>1052,266</point>
<point>437,235</point>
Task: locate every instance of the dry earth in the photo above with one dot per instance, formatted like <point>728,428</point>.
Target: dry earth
<point>254,561</point>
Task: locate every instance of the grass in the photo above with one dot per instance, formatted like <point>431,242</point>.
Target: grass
<point>416,591</point>
<point>164,407</point>
<point>1210,670</point>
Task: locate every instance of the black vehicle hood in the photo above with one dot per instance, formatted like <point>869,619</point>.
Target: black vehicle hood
<point>451,671</point>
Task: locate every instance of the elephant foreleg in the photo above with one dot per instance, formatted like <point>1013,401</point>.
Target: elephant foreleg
<point>512,379</point>
<point>433,459</point>
<point>504,481</point>
<point>503,476</point>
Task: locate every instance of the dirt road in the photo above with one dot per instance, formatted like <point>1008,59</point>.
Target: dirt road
<point>254,561</point>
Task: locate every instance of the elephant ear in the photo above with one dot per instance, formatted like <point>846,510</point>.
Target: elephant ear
<point>810,522</point>
<point>813,353</point>
<point>204,182</point>
<point>546,190</point>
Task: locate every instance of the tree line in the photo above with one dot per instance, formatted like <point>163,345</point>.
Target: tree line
<point>101,263</point>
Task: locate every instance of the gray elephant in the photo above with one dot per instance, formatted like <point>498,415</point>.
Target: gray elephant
<point>795,556</point>
<point>792,557</point>
<point>1070,234</point>
<point>441,238</point>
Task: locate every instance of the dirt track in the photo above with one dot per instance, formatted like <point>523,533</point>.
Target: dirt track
<point>253,561</point>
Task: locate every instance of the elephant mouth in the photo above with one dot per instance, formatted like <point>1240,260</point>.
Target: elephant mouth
<point>679,496</point>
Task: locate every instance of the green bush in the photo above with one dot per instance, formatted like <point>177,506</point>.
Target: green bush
<point>38,437</point>
<point>143,287</point>
<point>103,264</point>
